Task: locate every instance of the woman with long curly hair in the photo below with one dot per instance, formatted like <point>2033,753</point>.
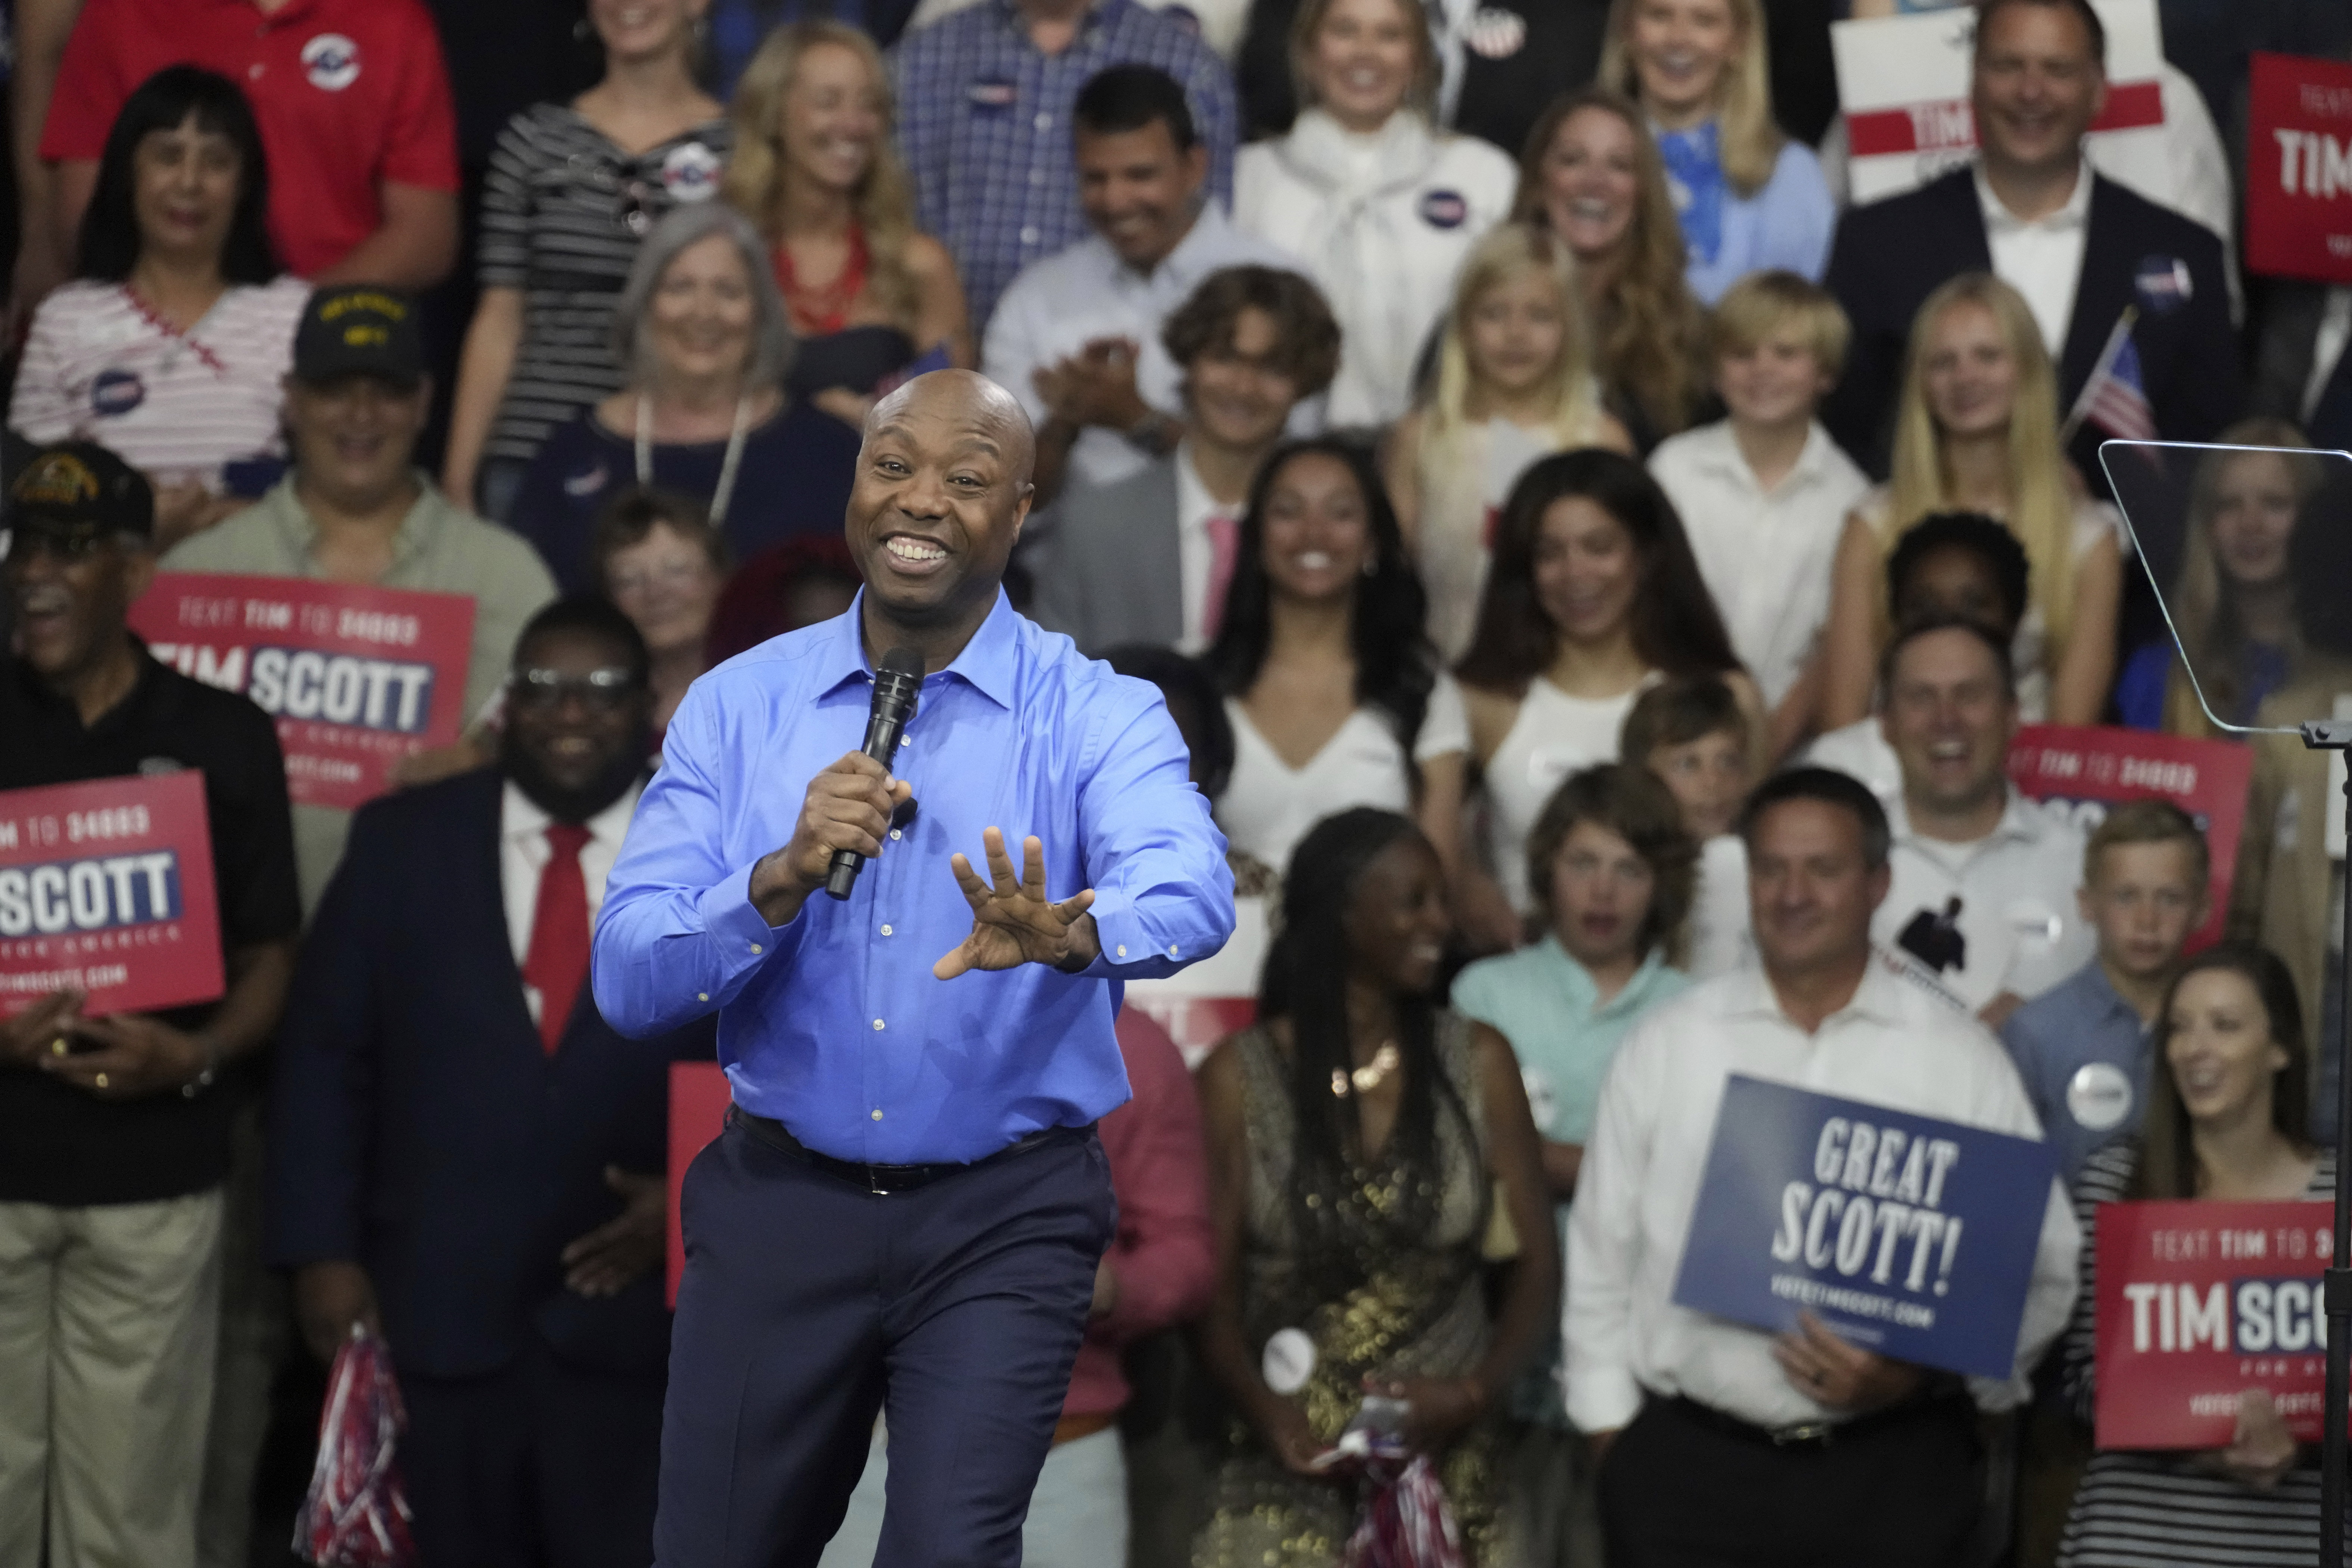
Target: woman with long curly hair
<point>1976,431</point>
<point>1362,1142</point>
<point>1592,173</point>
<point>814,169</point>
<point>1592,598</point>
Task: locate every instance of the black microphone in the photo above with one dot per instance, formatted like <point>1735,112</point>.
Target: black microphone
<point>898,684</point>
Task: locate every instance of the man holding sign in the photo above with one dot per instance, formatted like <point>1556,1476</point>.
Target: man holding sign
<point>114,1135</point>
<point>1816,1449</point>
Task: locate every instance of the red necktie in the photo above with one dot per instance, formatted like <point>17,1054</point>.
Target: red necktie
<point>557,962</point>
<point>1224,546</point>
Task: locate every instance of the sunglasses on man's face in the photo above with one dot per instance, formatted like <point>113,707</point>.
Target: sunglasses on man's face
<point>543,690</point>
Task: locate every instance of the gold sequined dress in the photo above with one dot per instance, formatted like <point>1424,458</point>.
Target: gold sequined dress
<point>1405,1300</point>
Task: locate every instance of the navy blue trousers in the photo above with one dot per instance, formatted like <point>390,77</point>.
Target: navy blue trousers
<point>810,1304</point>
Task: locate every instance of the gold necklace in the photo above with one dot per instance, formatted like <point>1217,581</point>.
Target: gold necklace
<point>1367,1078</point>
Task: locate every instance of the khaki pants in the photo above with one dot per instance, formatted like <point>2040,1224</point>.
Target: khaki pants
<point>109,1316</point>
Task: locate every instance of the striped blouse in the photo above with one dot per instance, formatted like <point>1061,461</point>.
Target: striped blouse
<point>563,212</point>
<point>100,366</point>
<point>2135,1509</point>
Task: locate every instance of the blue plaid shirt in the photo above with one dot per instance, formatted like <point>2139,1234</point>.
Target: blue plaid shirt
<point>984,126</point>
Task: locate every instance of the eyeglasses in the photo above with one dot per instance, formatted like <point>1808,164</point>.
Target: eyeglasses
<point>543,690</point>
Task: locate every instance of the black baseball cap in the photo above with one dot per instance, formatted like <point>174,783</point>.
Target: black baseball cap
<point>79,486</point>
<point>359,328</point>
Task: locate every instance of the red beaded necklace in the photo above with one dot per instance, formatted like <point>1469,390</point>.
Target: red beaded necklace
<point>818,312</point>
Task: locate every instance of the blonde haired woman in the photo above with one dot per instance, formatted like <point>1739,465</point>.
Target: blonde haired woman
<point>1749,198</point>
<point>814,169</point>
<point>1976,430</point>
<point>1513,384</point>
<point>1591,173</point>
<point>2235,603</point>
<point>1379,203</point>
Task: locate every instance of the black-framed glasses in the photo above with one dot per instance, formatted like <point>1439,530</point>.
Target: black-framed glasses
<point>606,690</point>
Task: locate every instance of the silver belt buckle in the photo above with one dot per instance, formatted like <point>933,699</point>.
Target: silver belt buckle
<point>1803,1432</point>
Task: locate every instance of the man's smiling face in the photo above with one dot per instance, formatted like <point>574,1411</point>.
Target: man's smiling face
<point>942,489</point>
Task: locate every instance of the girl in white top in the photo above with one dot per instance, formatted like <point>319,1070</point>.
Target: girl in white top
<point>1595,596</point>
<point>1379,206</point>
<point>1335,696</point>
<point>1748,197</point>
<point>1976,431</point>
<point>1513,384</point>
<point>169,345</point>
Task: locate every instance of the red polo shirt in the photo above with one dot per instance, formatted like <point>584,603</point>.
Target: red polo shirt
<point>350,94</point>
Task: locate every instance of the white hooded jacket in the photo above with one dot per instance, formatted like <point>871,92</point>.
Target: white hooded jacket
<point>1383,223</point>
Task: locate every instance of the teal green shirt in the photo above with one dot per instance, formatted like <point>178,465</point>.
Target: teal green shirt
<point>1545,1005</point>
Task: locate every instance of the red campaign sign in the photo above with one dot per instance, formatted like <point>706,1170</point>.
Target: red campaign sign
<point>2199,1302</point>
<point>2299,169</point>
<point>357,678</point>
<point>2091,768</point>
<point>1949,125</point>
<point>698,1097</point>
<point>106,887</point>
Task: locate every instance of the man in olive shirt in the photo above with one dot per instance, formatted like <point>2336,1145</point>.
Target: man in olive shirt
<point>114,1132</point>
<point>356,510</point>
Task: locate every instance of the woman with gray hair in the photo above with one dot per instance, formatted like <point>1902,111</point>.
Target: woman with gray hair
<point>701,333</point>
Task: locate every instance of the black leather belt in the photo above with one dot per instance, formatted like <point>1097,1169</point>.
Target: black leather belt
<point>1822,1434</point>
<point>883,1179</point>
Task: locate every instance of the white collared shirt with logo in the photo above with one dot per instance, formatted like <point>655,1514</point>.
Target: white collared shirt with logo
<point>2019,926</point>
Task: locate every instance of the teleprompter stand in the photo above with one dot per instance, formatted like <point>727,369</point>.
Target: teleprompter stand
<point>2336,735</point>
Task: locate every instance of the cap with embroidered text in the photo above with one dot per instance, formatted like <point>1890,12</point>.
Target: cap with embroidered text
<point>359,328</point>
<point>80,487</point>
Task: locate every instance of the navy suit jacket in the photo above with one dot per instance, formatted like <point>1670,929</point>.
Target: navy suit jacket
<point>418,1129</point>
<point>1892,253</point>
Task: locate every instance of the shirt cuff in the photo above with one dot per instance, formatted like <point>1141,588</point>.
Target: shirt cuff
<point>1125,942</point>
<point>1603,1399</point>
<point>740,937</point>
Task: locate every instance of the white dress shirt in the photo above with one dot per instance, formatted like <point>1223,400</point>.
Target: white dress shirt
<point>1056,306</point>
<point>2040,258</point>
<point>523,854</point>
<point>1892,1044</point>
<point>1196,552</point>
<point>2019,926</point>
<point>1765,554</point>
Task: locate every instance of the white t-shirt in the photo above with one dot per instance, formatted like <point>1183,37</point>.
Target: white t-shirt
<point>2017,926</point>
<point>99,366</point>
<point>1553,735</point>
<point>1767,555</point>
<point>1268,805</point>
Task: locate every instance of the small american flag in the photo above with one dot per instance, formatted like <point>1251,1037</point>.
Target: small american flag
<point>2115,398</point>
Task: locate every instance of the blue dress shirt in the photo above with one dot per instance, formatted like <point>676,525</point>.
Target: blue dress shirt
<point>2071,1044</point>
<point>832,1024</point>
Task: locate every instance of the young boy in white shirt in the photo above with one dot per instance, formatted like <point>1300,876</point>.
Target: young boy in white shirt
<point>1694,735</point>
<point>1764,494</point>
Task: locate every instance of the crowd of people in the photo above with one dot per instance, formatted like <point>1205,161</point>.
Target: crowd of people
<point>1599,573</point>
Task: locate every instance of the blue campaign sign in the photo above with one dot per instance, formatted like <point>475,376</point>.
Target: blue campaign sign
<point>1904,1234</point>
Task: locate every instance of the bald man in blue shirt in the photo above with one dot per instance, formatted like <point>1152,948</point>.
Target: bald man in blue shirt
<point>906,1210</point>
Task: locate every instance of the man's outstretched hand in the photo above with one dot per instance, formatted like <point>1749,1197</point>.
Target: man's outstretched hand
<point>1011,922</point>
